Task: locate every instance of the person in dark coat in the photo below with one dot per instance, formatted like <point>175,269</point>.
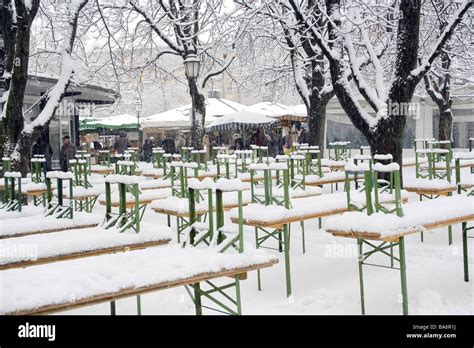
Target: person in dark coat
<point>168,145</point>
<point>42,147</point>
<point>148,149</point>
<point>68,152</point>
<point>303,137</point>
<point>122,143</point>
<point>258,138</point>
<point>238,142</point>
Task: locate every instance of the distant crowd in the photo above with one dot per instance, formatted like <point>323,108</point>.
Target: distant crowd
<point>279,141</point>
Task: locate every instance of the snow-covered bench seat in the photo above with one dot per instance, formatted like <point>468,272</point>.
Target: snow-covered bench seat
<point>146,197</point>
<point>108,278</point>
<point>294,192</point>
<point>424,186</point>
<point>418,217</point>
<point>327,178</point>
<point>179,207</point>
<point>259,215</point>
<point>154,173</point>
<point>332,164</point>
<point>38,224</point>
<point>103,170</point>
<point>72,244</point>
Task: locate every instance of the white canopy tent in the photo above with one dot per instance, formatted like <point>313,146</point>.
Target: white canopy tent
<point>241,120</point>
<point>279,111</point>
<point>179,117</point>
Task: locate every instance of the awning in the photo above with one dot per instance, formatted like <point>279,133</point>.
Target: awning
<point>242,120</point>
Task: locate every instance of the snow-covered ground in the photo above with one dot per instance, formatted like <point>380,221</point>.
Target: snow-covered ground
<point>325,280</point>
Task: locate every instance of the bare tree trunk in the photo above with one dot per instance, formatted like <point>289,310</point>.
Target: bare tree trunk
<point>197,123</point>
<point>445,122</point>
<point>317,122</point>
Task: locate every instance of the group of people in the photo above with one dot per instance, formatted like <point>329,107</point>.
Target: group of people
<point>277,143</point>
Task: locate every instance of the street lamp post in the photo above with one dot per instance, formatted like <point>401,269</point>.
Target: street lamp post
<point>138,107</point>
<point>192,66</point>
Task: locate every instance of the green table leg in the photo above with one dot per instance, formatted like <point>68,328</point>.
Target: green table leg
<point>360,249</point>
<point>286,236</point>
<point>465,251</point>
<point>403,275</point>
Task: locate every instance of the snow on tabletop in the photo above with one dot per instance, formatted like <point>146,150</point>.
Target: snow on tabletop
<point>191,165</point>
<point>340,143</point>
<point>381,157</point>
<point>307,206</point>
<point>125,163</point>
<point>37,223</point>
<point>41,160</point>
<point>144,196</point>
<point>416,215</point>
<point>352,167</point>
<point>464,155</point>
<point>427,184</point>
<point>391,167</point>
<point>122,179</point>
<point>282,157</point>
<point>258,166</point>
<point>59,175</point>
<point>6,159</point>
<point>297,157</point>
<point>93,276</point>
<point>294,193</point>
<point>227,185</point>
<point>278,166</point>
<point>177,205</point>
<point>153,172</point>
<point>98,167</point>
<point>154,184</point>
<point>12,175</point>
<point>205,184</point>
<point>328,162</point>
<point>81,240</point>
<point>362,157</point>
<point>176,164</point>
<point>31,187</point>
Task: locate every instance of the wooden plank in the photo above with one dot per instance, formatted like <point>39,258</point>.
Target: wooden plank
<point>408,231</point>
<point>281,223</point>
<point>175,213</point>
<point>129,292</point>
<point>82,254</point>
<point>437,192</point>
<point>57,229</point>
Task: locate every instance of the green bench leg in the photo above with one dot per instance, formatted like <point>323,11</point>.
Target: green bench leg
<point>465,251</point>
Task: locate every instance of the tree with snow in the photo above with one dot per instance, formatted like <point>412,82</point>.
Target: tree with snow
<point>20,133</point>
<point>359,30</point>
